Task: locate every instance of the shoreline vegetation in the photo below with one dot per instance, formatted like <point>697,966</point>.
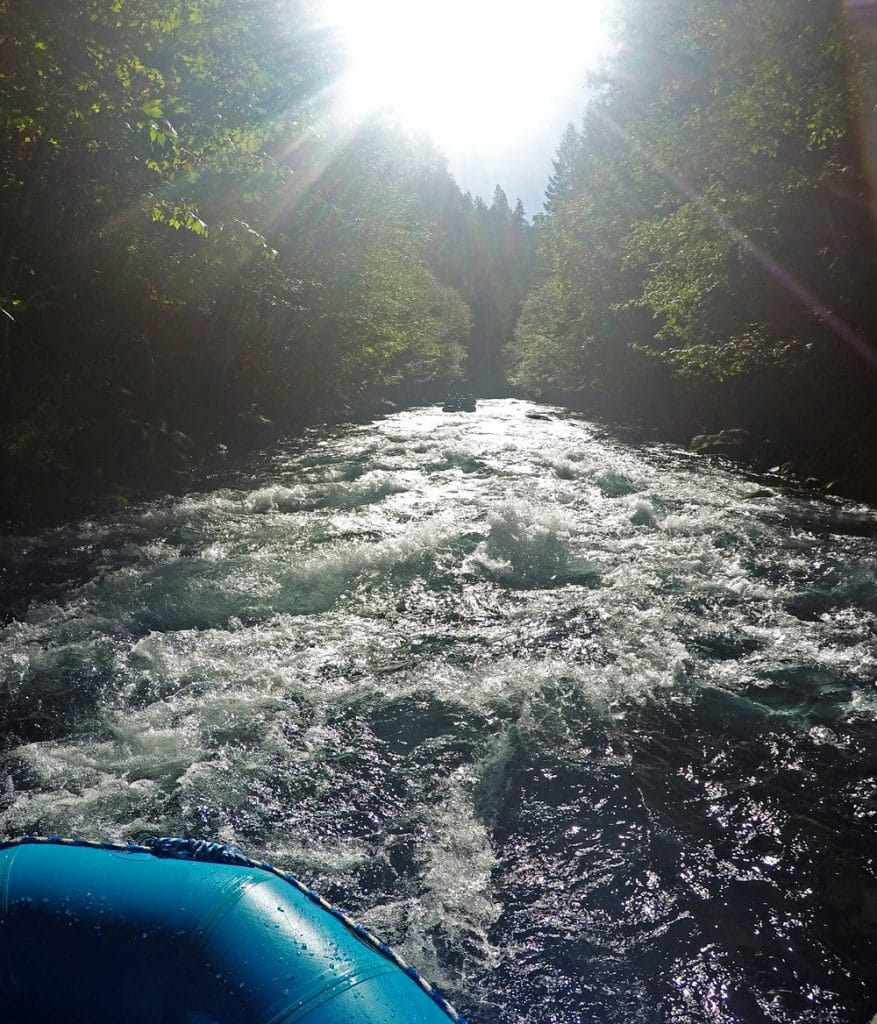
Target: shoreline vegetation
<point>198,255</point>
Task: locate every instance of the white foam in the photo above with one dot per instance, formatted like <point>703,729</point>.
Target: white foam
<point>455,900</point>
<point>223,628</point>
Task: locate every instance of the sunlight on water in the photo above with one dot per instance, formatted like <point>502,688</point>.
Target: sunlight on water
<point>579,725</point>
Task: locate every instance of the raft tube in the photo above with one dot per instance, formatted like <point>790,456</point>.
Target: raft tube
<point>187,932</point>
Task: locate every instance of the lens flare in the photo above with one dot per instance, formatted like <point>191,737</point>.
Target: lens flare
<point>471,75</point>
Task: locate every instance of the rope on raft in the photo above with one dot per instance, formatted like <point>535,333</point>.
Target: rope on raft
<point>227,853</point>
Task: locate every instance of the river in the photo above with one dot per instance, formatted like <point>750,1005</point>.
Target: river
<point>586,728</point>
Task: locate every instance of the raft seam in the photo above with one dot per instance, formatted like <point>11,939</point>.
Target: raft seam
<point>303,1007</point>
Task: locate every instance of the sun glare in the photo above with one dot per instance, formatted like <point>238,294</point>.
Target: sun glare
<point>474,74</point>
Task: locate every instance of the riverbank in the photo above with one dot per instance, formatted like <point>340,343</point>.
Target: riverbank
<point>821,455</point>
<point>114,462</point>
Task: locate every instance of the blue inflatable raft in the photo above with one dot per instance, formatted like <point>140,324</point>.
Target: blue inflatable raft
<point>187,932</point>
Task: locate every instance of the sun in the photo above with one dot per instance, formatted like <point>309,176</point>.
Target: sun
<point>474,74</point>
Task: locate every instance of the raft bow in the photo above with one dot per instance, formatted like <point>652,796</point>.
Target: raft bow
<point>185,931</point>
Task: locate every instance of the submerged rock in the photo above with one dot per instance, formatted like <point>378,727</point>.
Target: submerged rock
<point>459,403</point>
<point>733,442</point>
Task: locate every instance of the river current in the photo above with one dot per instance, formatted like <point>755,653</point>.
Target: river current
<point>587,729</point>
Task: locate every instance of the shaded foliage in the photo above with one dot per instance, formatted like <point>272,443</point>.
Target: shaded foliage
<point>193,244</point>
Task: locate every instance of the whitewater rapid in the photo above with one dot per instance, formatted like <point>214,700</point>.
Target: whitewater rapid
<point>585,727</point>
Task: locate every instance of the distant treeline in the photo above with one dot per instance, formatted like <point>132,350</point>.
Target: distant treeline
<point>707,255</point>
<point>193,242</point>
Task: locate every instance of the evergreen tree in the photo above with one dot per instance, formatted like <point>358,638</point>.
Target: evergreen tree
<point>703,246</point>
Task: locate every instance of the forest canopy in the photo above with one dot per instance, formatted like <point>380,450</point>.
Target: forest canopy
<point>193,242</point>
<point>706,252</point>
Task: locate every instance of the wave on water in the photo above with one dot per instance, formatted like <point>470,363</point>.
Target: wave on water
<point>584,727</point>
<point>529,547</point>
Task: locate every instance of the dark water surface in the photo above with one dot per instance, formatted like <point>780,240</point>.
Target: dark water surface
<point>583,728</point>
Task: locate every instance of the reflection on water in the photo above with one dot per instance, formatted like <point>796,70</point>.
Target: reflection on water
<point>584,728</point>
